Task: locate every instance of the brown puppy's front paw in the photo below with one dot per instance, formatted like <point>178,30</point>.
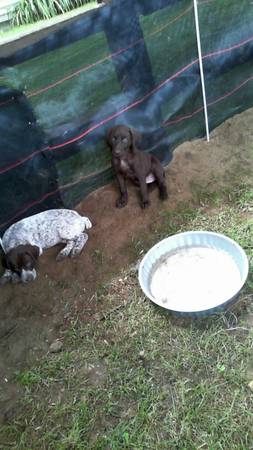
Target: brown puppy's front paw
<point>163,193</point>
<point>121,202</point>
<point>145,204</point>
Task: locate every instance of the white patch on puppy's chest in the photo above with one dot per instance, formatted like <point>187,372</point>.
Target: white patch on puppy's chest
<point>124,164</point>
<point>125,167</point>
<point>150,178</point>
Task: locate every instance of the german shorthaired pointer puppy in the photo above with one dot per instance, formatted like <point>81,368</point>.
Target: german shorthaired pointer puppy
<point>129,162</point>
<point>25,241</point>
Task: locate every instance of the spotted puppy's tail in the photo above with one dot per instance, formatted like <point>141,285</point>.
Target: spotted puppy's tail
<point>2,245</point>
<point>86,222</point>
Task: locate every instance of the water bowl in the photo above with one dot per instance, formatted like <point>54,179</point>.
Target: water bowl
<point>196,273</point>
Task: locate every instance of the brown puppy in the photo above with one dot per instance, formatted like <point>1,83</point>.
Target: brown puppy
<point>129,162</point>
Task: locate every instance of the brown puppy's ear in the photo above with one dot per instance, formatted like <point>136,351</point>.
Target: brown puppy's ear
<point>135,137</point>
<point>109,134</point>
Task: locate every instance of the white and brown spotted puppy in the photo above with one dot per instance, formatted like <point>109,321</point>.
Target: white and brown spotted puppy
<point>25,241</point>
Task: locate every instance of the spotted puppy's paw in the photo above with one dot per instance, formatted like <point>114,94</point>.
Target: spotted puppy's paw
<point>15,279</point>
<point>7,277</point>
<point>79,244</point>
<point>4,280</point>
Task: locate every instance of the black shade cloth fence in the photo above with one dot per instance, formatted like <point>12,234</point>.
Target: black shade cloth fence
<point>133,62</point>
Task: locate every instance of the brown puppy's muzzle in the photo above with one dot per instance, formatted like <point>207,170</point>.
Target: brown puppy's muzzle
<point>118,150</point>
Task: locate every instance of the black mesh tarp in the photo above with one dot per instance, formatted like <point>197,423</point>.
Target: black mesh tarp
<point>132,62</point>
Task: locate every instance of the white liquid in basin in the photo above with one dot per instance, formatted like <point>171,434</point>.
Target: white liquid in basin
<point>195,279</point>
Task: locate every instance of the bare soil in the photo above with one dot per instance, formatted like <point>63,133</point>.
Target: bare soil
<point>33,315</point>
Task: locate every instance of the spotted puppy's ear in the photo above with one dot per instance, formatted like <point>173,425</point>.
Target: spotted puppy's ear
<point>34,252</point>
<point>4,261</point>
<point>11,260</point>
<point>135,138</point>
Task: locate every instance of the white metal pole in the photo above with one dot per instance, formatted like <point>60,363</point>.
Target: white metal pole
<point>201,68</point>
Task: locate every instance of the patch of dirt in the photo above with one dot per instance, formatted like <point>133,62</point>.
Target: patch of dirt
<point>94,374</point>
<point>33,315</point>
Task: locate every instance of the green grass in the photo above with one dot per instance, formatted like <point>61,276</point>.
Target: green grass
<point>27,11</point>
<point>139,378</point>
<point>16,32</point>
